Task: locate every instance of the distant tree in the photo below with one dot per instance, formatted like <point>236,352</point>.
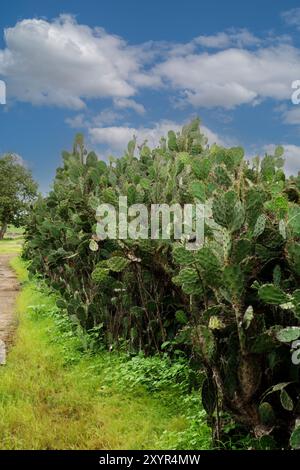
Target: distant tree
<point>17,191</point>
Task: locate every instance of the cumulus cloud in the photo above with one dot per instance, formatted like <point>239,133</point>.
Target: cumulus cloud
<point>86,120</point>
<point>233,76</point>
<point>292,17</point>
<point>233,37</point>
<point>76,122</point>
<point>292,116</point>
<point>116,138</point>
<point>63,63</point>
<point>124,103</point>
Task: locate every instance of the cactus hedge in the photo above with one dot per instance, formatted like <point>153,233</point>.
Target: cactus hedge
<point>233,305</point>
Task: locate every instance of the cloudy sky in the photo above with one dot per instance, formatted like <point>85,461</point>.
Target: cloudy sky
<point>116,68</point>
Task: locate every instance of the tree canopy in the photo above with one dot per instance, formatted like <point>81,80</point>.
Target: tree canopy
<point>17,191</point>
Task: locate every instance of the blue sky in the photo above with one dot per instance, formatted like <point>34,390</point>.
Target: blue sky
<point>114,68</point>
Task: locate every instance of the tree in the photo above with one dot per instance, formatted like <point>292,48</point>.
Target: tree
<point>17,191</point>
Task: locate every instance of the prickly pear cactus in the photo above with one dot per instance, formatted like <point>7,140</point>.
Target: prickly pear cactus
<point>238,295</point>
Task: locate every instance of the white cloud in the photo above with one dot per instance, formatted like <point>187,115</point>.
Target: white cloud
<point>116,138</point>
<point>123,103</point>
<point>77,122</point>
<point>233,76</point>
<point>63,63</point>
<point>292,17</point>
<point>291,155</point>
<point>292,116</point>
<point>239,38</point>
<point>105,117</point>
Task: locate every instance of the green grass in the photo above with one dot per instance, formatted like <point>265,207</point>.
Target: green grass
<point>16,230</point>
<point>20,268</point>
<point>56,394</point>
<point>9,246</point>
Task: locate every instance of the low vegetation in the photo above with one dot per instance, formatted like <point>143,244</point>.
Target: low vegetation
<point>61,390</point>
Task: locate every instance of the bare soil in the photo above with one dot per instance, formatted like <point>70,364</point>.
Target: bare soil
<point>9,287</point>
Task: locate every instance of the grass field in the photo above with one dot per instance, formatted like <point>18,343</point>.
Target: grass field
<point>8,246</point>
<point>12,230</point>
<point>54,396</point>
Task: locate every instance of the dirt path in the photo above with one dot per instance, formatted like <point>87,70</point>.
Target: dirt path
<point>9,287</point>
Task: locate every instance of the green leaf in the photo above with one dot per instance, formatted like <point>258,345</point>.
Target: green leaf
<point>192,288</point>
<point>289,334</point>
<point>237,155</point>
<point>286,400</point>
<point>255,198</point>
<point>238,216</point>
<point>181,317</point>
<point>295,438</point>
<point>145,183</point>
<point>222,208</point>
<point>172,141</point>
<point>209,266</point>
<point>275,388</point>
<point>188,276</point>
<point>279,151</point>
<point>242,249</point>
<point>182,256</point>
<point>101,167</point>
<point>259,226</point>
<point>100,274</point>
<point>228,211</point>
<point>222,177</point>
<point>117,263</point>
<point>201,167</point>
<point>197,190</point>
<point>294,220</point>
<point>91,159</point>
<point>266,414</point>
<point>279,205</point>
<point>131,147</point>
<point>271,294</point>
<point>234,280</point>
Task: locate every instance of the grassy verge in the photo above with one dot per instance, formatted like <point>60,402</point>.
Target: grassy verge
<point>15,230</point>
<point>10,246</point>
<point>56,392</point>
